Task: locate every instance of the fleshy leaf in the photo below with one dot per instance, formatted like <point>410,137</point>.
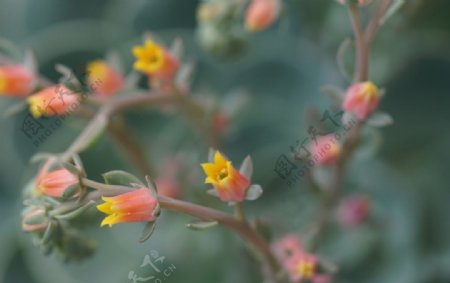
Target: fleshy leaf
<point>201,225</point>
<point>380,119</point>
<point>147,232</point>
<point>119,177</point>
<point>254,192</point>
<point>247,168</point>
<point>76,212</point>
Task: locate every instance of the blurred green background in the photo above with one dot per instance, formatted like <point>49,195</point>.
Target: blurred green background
<point>281,71</point>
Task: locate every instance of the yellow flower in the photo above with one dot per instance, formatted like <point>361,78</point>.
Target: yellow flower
<point>150,57</point>
<point>229,183</point>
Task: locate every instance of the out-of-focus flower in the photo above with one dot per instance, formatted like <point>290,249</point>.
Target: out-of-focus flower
<point>53,101</point>
<point>167,187</point>
<point>229,183</point>
<point>210,11</point>
<point>325,150</point>
<point>287,247</point>
<point>220,122</point>
<point>261,14</point>
<point>16,80</point>
<point>168,183</point>
<point>301,266</point>
<point>155,61</point>
<point>103,79</point>
<point>354,211</point>
<point>54,182</point>
<point>136,206</point>
<point>361,99</point>
<point>34,220</point>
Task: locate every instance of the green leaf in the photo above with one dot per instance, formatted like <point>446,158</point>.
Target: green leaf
<point>71,191</point>
<point>247,167</point>
<point>119,177</point>
<point>380,119</point>
<point>147,232</point>
<point>49,233</point>
<point>254,192</point>
<point>201,225</point>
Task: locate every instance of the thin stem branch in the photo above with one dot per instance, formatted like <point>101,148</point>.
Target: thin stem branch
<point>130,146</point>
<point>240,227</point>
<point>374,24</point>
<point>362,52</point>
<point>198,211</point>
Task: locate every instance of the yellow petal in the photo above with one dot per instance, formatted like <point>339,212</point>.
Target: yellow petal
<point>105,208</point>
<point>219,160</point>
<point>109,220</point>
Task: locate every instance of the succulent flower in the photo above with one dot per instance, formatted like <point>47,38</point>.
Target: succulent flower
<point>103,79</point>
<point>361,99</point>
<point>16,80</point>
<point>53,101</point>
<point>136,206</point>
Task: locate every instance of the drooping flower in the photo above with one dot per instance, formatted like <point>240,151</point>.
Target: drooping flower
<point>136,206</point>
<point>103,79</point>
<point>261,14</point>
<point>353,211</point>
<point>301,266</point>
<point>53,101</point>
<point>155,61</point>
<point>54,182</point>
<point>325,150</point>
<point>16,80</point>
<point>361,99</point>
<point>228,182</point>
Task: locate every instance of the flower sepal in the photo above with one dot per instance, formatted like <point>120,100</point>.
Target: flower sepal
<point>379,119</point>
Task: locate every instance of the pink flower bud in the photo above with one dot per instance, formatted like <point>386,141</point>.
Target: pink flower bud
<point>354,211</point>
<point>361,99</point>
<point>53,101</point>
<point>325,150</point>
<point>16,80</point>
<point>54,183</point>
<point>34,220</point>
<point>261,14</point>
<point>103,79</point>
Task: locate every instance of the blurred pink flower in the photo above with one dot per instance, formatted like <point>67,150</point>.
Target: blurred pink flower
<point>325,150</point>
<point>354,211</point>
<point>361,99</point>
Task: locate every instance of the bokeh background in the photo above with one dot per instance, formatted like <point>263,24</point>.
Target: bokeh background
<point>280,74</point>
